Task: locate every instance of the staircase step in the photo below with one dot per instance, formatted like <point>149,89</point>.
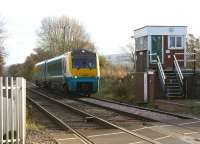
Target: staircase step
<point>170,76</point>
<point>173,87</point>
<point>172,83</point>
<point>174,93</point>
<point>174,90</point>
<point>169,70</point>
<point>171,80</point>
<point>175,96</point>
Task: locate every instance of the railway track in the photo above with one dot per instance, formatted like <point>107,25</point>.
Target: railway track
<point>37,102</point>
<point>60,121</point>
<point>171,136</point>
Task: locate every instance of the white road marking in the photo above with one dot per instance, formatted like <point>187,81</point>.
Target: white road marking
<point>189,133</point>
<point>114,133</point>
<point>160,138</point>
<point>189,123</point>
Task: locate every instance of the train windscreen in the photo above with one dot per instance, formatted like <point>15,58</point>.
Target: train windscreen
<point>84,62</point>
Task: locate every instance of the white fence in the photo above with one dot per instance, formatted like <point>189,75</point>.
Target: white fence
<point>12,110</point>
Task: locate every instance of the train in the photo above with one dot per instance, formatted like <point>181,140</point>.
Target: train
<point>77,71</point>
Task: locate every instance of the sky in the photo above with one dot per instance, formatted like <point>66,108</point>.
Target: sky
<point>110,23</point>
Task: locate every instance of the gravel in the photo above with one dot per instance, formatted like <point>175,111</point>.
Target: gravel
<point>39,137</point>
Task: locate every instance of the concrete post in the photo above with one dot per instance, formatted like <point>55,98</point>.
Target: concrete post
<point>151,86</point>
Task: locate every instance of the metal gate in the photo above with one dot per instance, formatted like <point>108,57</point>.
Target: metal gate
<point>12,110</point>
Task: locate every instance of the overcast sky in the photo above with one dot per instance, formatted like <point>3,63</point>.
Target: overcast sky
<point>110,23</point>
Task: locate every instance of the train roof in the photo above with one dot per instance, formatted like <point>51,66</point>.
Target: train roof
<point>77,51</point>
<point>39,63</point>
<point>49,60</point>
<point>56,58</point>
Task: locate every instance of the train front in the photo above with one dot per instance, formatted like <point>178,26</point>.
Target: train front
<point>84,71</point>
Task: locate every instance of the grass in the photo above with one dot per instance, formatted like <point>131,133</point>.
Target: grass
<point>30,123</point>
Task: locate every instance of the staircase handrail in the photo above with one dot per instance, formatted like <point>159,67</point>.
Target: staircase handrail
<point>152,54</point>
<point>178,70</point>
<point>161,71</point>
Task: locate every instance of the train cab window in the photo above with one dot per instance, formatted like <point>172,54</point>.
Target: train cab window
<point>84,62</point>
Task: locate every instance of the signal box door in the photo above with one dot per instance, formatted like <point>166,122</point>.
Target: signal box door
<point>156,47</point>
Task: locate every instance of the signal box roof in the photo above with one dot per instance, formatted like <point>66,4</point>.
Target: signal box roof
<point>160,30</point>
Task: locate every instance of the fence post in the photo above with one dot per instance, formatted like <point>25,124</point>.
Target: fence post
<point>7,114</point>
<point>23,109</point>
<point>17,110</point>
<point>12,111</point>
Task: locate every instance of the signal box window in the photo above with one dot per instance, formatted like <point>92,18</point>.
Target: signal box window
<point>175,42</point>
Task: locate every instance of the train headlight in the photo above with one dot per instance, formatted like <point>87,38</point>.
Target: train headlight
<point>75,77</point>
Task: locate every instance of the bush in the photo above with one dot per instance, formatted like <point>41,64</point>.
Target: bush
<point>116,84</point>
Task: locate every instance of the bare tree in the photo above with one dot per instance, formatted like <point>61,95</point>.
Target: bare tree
<point>193,45</point>
<point>60,34</point>
<point>2,38</point>
<point>130,50</point>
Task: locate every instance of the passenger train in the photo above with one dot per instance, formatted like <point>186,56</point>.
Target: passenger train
<point>76,71</point>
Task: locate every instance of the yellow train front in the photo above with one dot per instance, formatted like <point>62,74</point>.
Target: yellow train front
<point>83,74</point>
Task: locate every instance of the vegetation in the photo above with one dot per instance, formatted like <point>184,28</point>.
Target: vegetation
<point>116,83</point>
<point>2,38</point>
<point>193,45</point>
<point>56,36</point>
<point>30,123</point>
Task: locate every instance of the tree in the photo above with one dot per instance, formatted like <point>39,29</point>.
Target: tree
<point>193,45</point>
<point>60,34</point>
<point>2,38</point>
<point>130,50</point>
<point>56,36</point>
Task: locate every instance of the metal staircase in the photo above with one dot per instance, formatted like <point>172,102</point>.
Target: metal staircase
<point>173,88</point>
<point>172,81</point>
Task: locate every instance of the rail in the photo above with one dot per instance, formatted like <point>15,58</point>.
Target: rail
<point>178,70</point>
<point>98,119</point>
<point>83,138</point>
<point>161,73</point>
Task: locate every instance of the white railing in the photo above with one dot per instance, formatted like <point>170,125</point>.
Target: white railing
<point>188,58</point>
<point>151,57</point>
<point>12,110</point>
<point>178,70</point>
<point>161,71</point>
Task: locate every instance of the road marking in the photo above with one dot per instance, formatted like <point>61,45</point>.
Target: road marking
<point>160,138</point>
<point>189,123</point>
<point>163,137</point>
<point>137,142</point>
<point>189,133</point>
<point>114,133</point>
